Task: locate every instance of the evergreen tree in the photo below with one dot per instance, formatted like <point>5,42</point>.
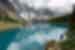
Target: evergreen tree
<point>69,43</point>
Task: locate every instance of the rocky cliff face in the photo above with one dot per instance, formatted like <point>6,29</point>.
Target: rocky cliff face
<point>7,9</point>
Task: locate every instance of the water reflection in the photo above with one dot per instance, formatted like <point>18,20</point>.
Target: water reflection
<point>36,36</point>
<point>6,37</point>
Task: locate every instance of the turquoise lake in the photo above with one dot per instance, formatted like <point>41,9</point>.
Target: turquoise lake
<point>31,38</point>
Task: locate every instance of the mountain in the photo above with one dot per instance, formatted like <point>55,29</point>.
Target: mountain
<point>7,9</point>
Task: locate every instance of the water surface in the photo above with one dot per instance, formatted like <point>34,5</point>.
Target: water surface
<point>31,38</point>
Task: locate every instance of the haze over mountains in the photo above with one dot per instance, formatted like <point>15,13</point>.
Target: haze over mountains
<point>42,7</point>
<point>24,8</point>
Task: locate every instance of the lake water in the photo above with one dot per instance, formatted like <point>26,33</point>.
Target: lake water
<point>31,38</point>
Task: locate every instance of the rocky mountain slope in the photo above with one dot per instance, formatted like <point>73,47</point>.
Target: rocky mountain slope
<point>7,9</point>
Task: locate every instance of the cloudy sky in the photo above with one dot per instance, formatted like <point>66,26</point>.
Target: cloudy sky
<point>56,7</point>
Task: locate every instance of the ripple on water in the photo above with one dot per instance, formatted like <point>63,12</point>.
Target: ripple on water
<point>35,37</point>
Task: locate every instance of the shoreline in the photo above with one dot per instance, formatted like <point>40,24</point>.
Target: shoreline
<point>7,26</point>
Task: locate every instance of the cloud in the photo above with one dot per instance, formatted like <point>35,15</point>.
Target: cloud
<point>40,7</point>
